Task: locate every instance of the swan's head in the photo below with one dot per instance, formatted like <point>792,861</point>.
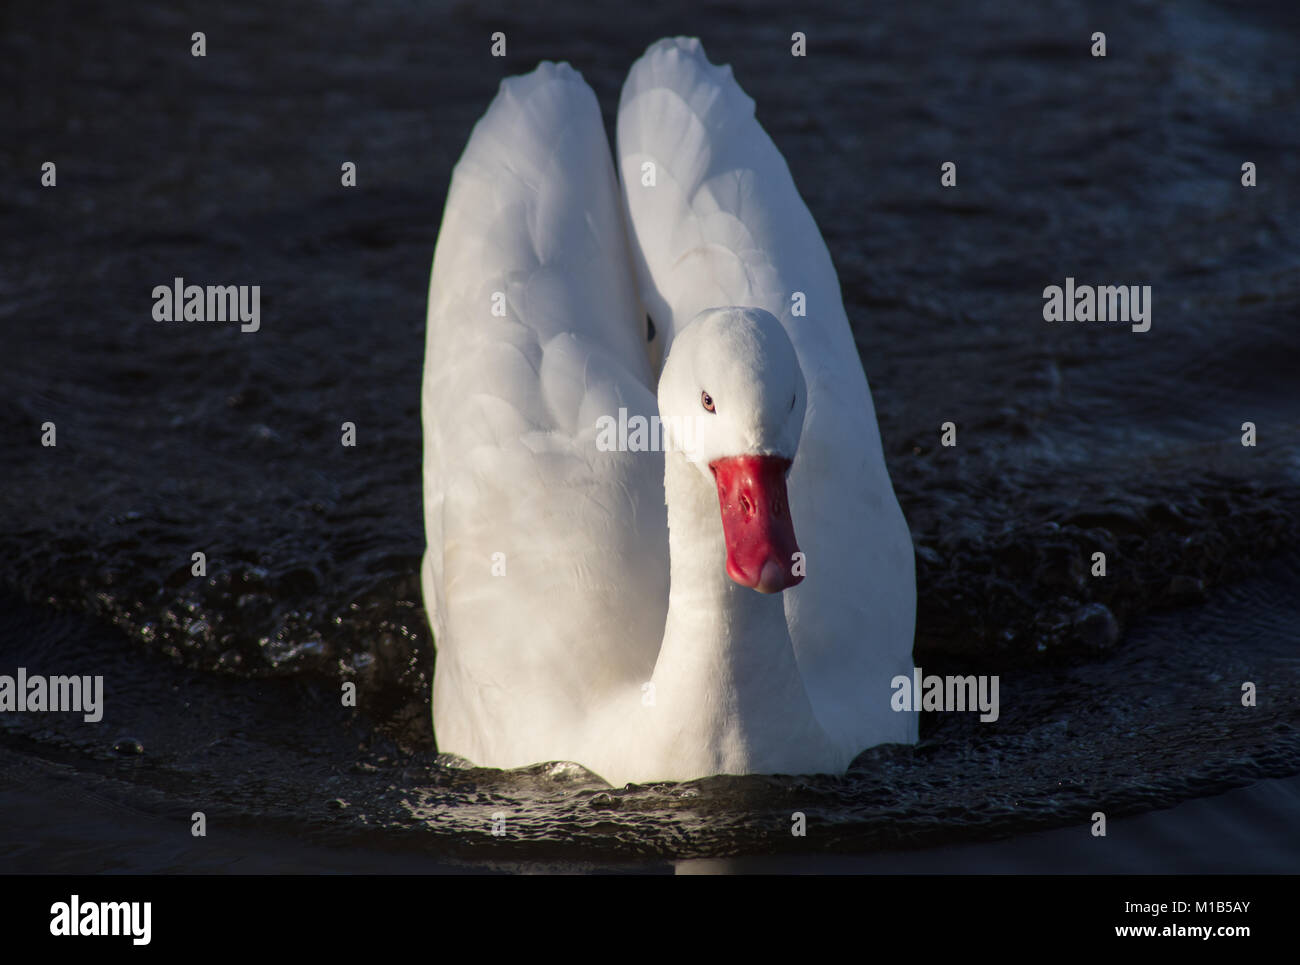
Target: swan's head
<point>732,399</point>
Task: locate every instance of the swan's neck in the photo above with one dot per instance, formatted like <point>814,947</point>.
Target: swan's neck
<point>728,697</point>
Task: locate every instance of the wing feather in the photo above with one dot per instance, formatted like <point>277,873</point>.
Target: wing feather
<point>723,224</point>
<point>574,603</point>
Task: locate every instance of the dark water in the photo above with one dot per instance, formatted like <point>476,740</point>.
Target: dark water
<point>1119,694</point>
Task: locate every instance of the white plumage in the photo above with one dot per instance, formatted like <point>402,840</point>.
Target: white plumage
<point>547,569</point>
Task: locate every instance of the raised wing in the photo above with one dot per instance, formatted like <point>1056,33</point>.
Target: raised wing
<point>541,549</point>
<point>715,219</point>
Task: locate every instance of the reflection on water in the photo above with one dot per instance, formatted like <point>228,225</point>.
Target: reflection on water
<point>1247,831</point>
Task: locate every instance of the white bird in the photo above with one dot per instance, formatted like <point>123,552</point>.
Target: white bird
<point>757,624</point>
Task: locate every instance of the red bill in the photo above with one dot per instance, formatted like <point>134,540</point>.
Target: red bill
<point>756,521</point>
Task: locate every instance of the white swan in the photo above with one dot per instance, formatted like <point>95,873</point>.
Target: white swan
<point>574,618</point>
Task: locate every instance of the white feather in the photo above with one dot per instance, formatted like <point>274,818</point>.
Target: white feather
<point>510,406</point>
<point>551,660</point>
<point>725,225</point>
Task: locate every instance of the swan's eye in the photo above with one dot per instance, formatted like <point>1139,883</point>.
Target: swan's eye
<point>706,400</point>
